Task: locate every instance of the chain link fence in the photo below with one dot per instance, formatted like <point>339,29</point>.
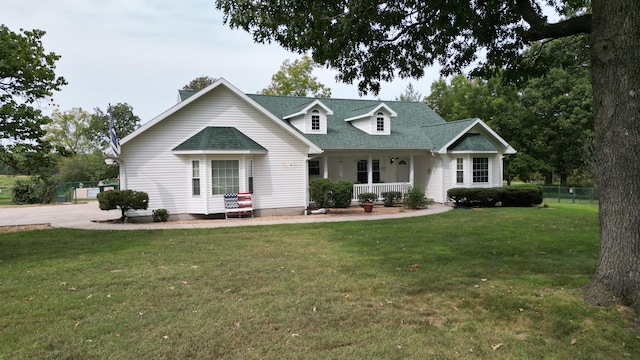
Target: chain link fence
<point>570,194</point>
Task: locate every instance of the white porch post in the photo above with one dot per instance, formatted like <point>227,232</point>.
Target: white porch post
<point>411,171</point>
<point>370,173</point>
<point>325,166</point>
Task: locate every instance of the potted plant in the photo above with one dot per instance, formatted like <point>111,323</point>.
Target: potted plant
<point>366,200</point>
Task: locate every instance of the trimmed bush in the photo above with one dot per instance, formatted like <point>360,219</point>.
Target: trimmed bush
<point>414,198</point>
<point>124,199</point>
<point>160,215</point>
<point>489,197</point>
<point>341,193</point>
<point>391,198</point>
<point>320,191</point>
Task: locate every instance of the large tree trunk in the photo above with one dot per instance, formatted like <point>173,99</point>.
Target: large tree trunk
<point>615,59</point>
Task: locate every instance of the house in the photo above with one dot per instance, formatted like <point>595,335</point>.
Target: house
<point>220,140</point>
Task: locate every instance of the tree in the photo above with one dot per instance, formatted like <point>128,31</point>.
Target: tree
<point>199,83</point>
<point>410,94</point>
<point>85,166</point>
<point>27,77</point>
<point>125,123</point>
<point>124,199</point>
<point>69,130</point>
<point>295,79</point>
<point>373,42</point>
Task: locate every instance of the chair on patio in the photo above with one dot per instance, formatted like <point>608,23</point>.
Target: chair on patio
<point>238,205</point>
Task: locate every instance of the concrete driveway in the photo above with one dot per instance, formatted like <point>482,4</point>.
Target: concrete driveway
<point>88,216</point>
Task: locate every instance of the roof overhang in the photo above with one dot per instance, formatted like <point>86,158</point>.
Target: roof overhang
<point>508,149</point>
<point>306,109</point>
<point>371,113</point>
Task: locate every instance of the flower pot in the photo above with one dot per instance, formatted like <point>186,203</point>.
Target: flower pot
<point>368,207</point>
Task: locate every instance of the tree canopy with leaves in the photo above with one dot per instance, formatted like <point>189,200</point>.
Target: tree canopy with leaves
<point>27,77</point>
<point>199,83</point>
<point>296,79</point>
<point>374,41</point>
<point>125,123</point>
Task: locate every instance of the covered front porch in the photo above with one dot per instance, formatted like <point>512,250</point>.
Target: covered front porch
<point>375,172</point>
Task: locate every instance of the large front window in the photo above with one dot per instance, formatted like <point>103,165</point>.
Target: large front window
<point>481,170</point>
<point>225,177</point>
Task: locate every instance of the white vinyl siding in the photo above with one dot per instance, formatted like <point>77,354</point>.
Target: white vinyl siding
<point>148,163</point>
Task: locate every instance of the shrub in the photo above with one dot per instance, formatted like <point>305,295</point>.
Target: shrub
<point>367,197</point>
<point>489,197</point>
<point>341,193</point>
<point>320,191</point>
<point>391,198</point>
<point>124,199</point>
<point>160,215</point>
<point>33,191</point>
<point>521,196</point>
<point>414,198</point>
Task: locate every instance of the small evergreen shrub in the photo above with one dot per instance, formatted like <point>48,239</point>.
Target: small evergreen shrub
<point>521,196</point>
<point>414,198</point>
<point>320,191</point>
<point>160,215</point>
<point>341,193</point>
<point>391,198</point>
<point>367,197</point>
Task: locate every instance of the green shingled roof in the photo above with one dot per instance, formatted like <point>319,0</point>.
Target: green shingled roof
<point>220,139</point>
<point>472,142</point>
<point>407,129</point>
<point>417,126</point>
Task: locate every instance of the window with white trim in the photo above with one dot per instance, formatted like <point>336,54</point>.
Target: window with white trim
<point>481,170</point>
<point>195,178</point>
<point>225,177</point>
<point>362,171</point>
<point>315,120</point>
<point>459,170</point>
<point>380,122</point>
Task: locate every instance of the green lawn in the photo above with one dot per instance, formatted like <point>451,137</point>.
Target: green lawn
<point>467,284</point>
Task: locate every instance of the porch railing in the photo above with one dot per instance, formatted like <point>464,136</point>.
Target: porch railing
<point>379,188</point>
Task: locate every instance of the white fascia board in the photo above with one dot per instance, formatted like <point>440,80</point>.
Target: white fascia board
<point>313,148</point>
<point>373,112</point>
<point>308,107</point>
<point>509,149</point>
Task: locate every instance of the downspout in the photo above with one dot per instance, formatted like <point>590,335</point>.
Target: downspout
<point>442,187</point>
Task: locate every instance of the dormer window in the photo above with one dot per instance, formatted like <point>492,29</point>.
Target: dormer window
<point>315,120</point>
<point>380,122</point>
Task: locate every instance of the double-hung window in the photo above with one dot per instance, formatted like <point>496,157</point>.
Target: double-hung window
<point>315,120</point>
<point>481,170</point>
<point>225,177</point>
<point>380,122</point>
<point>195,178</point>
<point>459,170</point>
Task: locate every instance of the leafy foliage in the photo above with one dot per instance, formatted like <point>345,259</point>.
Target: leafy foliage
<point>68,131</point>
<point>326,193</point>
<point>26,77</point>
<point>410,94</point>
<point>295,79</point>
<point>391,198</point>
<point>124,199</point>
<point>489,197</point>
<point>34,191</point>
<point>367,197</point>
<point>199,83</point>
<point>160,215</point>
<point>341,193</point>
<point>125,123</point>
<point>415,198</point>
<point>82,167</point>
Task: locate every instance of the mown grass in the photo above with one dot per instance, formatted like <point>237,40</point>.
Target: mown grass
<point>491,283</point>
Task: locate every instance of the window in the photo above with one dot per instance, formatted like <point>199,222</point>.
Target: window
<point>315,120</point>
<point>314,167</point>
<point>225,177</point>
<point>250,175</point>
<point>481,170</point>
<point>460,170</point>
<point>362,175</point>
<point>380,122</point>
<point>195,178</point>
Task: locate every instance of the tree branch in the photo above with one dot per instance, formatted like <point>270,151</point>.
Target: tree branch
<point>539,29</point>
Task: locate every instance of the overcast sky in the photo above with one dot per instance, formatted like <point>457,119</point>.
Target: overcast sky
<point>141,52</point>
